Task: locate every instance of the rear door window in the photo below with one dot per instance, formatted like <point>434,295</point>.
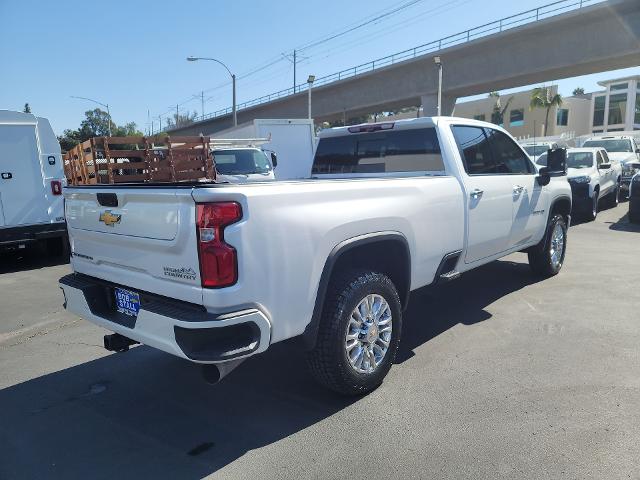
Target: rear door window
<point>411,150</point>
<point>509,157</point>
<point>474,148</point>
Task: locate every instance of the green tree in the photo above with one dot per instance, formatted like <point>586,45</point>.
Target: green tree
<point>181,120</point>
<point>541,97</point>
<point>27,108</point>
<point>578,91</point>
<point>96,124</point>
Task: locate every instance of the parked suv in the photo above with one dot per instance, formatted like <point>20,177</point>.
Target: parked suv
<point>536,149</point>
<point>634,198</point>
<point>593,178</point>
<point>621,149</point>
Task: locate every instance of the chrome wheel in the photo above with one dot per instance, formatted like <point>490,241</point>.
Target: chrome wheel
<point>594,211</point>
<point>557,246</point>
<point>368,333</point>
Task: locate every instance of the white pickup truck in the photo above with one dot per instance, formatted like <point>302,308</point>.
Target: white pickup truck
<point>215,273</point>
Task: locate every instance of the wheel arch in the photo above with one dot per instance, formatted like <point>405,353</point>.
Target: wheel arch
<point>561,205</point>
<point>386,252</point>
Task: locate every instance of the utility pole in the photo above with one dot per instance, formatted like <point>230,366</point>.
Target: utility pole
<point>202,104</point>
<point>294,71</point>
<point>235,112</point>
<point>177,115</point>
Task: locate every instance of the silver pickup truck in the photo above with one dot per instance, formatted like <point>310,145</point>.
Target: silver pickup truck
<point>216,273</point>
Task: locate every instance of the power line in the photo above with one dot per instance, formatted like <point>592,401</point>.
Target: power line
<point>360,25</point>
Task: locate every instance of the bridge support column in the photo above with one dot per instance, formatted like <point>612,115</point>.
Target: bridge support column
<point>430,104</point>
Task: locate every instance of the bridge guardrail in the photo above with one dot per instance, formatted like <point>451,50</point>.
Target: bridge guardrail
<point>497,26</point>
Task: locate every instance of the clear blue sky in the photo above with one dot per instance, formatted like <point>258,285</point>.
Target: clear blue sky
<point>131,54</point>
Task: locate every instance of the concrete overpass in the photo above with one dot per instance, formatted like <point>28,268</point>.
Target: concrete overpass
<point>589,39</point>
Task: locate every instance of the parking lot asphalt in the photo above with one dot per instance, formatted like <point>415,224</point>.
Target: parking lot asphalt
<point>499,375</point>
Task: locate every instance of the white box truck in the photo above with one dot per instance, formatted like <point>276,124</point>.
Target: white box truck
<point>31,181</point>
<point>293,140</point>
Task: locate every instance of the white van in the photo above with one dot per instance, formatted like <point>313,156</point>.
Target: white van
<point>293,140</point>
<point>31,181</point>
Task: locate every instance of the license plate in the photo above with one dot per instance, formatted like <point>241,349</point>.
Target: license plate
<point>127,302</point>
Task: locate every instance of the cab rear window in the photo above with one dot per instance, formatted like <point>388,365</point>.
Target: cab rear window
<point>414,150</point>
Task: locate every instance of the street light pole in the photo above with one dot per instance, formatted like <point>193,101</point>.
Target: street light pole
<point>106,105</point>
<point>233,82</point>
<point>310,81</point>
<point>438,62</point>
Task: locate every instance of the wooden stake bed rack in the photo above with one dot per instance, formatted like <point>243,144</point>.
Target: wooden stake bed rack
<point>109,160</point>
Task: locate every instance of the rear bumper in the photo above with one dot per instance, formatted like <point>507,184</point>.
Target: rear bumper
<point>175,327</point>
<point>30,233</point>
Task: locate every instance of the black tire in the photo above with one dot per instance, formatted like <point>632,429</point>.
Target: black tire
<point>593,213</point>
<point>634,215</point>
<point>613,199</point>
<point>328,360</point>
<point>540,259</point>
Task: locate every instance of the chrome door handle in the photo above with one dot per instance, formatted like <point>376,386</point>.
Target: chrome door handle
<point>518,189</point>
<point>476,193</point>
<point>6,175</point>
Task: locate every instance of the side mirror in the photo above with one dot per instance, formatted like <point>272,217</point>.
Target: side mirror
<point>543,177</point>
<point>274,159</point>
<point>604,166</point>
<point>557,161</point>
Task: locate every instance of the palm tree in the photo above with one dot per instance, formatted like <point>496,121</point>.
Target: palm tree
<point>497,116</point>
<point>541,98</point>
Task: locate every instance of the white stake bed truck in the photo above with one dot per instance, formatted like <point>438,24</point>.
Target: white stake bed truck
<point>215,273</point>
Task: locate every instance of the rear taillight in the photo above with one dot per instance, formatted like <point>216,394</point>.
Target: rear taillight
<point>218,260</point>
<point>56,187</point>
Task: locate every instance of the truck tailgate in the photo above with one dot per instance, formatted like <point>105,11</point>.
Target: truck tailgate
<point>143,238</point>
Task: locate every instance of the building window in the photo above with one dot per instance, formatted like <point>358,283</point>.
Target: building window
<point>615,129</point>
<point>562,117</point>
<point>597,131</point>
<point>598,110</point>
<point>617,108</point>
<point>619,86</point>
<point>516,117</point>
<point>482,117</point>
<point>637,115</point>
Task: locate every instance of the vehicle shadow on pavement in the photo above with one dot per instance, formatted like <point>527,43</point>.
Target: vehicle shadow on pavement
<point>433,310</point>
<point>146,414</point>
<point>624,225</point>
<point>29,259</point>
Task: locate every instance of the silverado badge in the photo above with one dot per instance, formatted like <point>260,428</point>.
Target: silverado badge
<point>110,219</point>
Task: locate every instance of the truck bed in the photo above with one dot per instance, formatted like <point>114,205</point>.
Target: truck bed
<point>277,247</point>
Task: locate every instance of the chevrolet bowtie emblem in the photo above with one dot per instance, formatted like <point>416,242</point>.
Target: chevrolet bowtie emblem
<point>110,219</point>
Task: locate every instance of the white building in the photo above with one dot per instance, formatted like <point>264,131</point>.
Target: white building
<point>617,108</point>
